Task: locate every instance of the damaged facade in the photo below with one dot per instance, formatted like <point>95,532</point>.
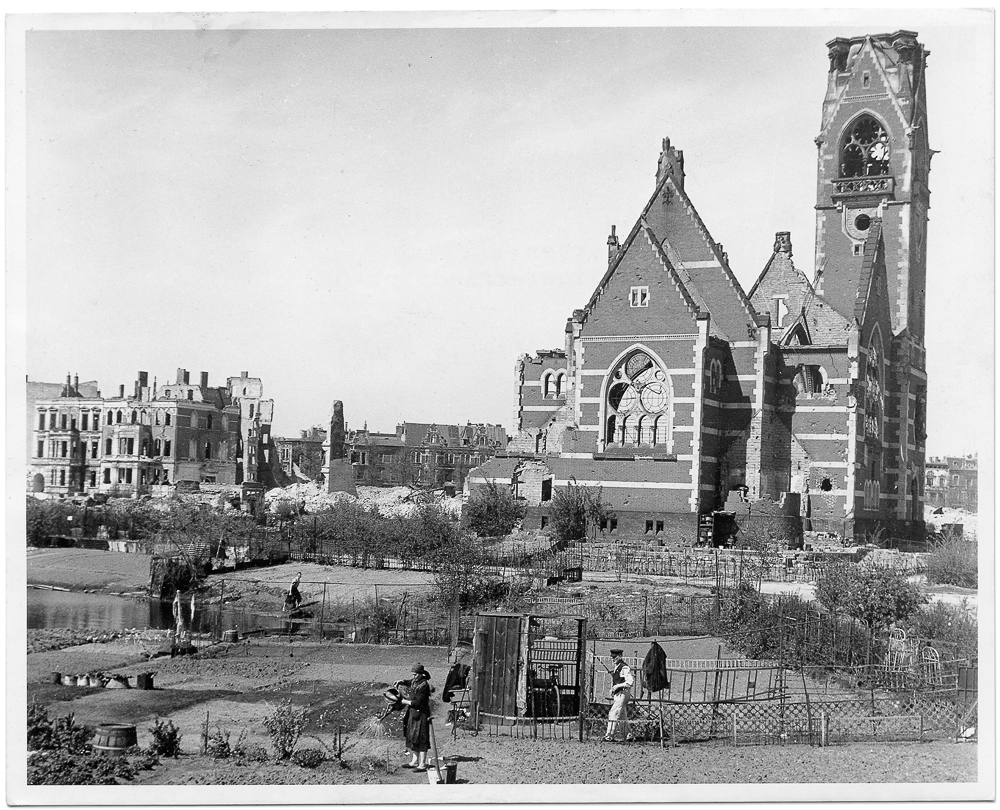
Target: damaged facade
<point>422,455</point>
<point>674,388</point>
<point>176,434</point>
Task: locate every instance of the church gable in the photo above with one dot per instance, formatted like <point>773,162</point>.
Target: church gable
<point>699,260</point>
<point>641,294</point>
<point>872,299</point>
<point>781,289</point>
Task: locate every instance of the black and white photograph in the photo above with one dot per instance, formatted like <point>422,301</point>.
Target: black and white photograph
<point>500,406</point>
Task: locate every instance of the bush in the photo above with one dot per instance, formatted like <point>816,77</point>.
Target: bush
<point>166,738</point>
<point>285,725</point>
<point>951,624</point>
<point>60,767</point>
<point>60,734</point>
<point>875,595</point>
<point>308,757</point>
<point>954,561</point>
<point>493,511</point>
<point>218,745</point>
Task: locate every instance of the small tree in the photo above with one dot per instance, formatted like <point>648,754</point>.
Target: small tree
<point>574,509</point>
<point>954,561</point>
<point>493,511</point>
<point>875,595</point>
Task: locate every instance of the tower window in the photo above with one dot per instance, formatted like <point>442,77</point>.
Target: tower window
<point>866,79</point>
<point>639,297</point>
<point>865,151</point>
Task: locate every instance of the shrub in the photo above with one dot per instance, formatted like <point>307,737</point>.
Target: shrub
<point>285,725</point>
<point>61,767</point>
<point>952,624</point>
<point>218,745</point>
<point>166,738</point>
<point>875,595</point>
<point>574,509</point>
<point>493,511</point>
<point>954,561</point>
<point>60,734</point>
<point>308,757</point>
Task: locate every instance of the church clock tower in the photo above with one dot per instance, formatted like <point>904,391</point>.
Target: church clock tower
<point>873,164</point>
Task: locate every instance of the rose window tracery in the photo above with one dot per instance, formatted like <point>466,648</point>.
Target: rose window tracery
<point>865,152</point>
<point>637,403</point>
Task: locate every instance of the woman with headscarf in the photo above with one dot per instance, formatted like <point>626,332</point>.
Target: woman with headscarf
<point>417,720</point>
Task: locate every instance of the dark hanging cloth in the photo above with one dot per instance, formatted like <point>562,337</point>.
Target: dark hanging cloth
<point>654,669</point>
<point>457,676</point>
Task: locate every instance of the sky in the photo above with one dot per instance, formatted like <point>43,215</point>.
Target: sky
<point>391,216</point>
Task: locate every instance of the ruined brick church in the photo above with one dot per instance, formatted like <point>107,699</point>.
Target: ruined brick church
<point>676,389</point>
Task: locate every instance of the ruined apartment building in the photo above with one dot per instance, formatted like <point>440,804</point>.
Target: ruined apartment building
<point>675,387</point>
<point>426,455</point>
<point>178,433</point>
<point>952,481</point>
<point>301,458</point>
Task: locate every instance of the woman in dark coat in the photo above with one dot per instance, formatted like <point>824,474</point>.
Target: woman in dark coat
<point>416,721</point>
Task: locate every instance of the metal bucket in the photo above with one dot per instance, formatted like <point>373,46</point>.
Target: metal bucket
<point>113,738</point>
<point>450,772</point>
<point>231,636</point>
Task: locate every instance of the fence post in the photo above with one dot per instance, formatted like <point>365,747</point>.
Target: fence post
<point>222,604</point>
<point>735,710</point>
<point>322,613</point>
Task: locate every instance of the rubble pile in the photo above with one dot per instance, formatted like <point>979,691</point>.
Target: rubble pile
<point>946,516</point>
<point>390,501</point>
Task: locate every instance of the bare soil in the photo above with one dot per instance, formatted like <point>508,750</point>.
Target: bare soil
<point>235,686</point>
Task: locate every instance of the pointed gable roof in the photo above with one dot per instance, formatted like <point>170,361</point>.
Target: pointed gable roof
<point>693,259</point>
<point>809,314</point>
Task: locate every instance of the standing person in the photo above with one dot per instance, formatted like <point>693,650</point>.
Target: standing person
<point>294,598</point>
<point>178,610</point>
<point>417,720</point>
<point>621,693</point>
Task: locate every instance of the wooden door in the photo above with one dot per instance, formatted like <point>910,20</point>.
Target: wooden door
<point>496,649</point>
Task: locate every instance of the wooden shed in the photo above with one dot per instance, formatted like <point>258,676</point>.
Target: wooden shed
<point>528,666</point>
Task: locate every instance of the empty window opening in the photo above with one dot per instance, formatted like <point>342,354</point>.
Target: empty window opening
<point>166,447</point>
<point>866,79</point>
<point>547,489</point>
<point>251,411</point>
<point>107,447</point>
<point>93,449</point>
<point>110,417</point>
<point>857,249</point>
<point>157,446</point>
<point>63,449</point>
<point>128,476</point>
<point>40,450</point>
<point>639,297</point>
<point>826,485</point>
<point>865,150</point>
<point>190,394</point>
<point>210,421</point>
<point>135,417</point>
<point>62,478</point>
<point>62,422</point>
<point>85,423</point>
<point>118,417</point>
<point>208,450</point>
<point>166,419</point>
<point>107,476</point>
<point>649,527</point>
<point>41,421</point>
<point>544,522</point>
<point>93,478</point>
<point>659,527</point>
<point>613,525</point>
<point>130,447</point>
<point>52,421</point>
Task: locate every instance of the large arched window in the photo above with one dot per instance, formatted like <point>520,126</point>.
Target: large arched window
<point>865,150</point>
<point>638,399</point>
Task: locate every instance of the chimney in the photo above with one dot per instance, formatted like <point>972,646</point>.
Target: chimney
<point>783,242</point>
<point>244,374</point>
<point>121,391</point>
<point>180,376</point>
<point>671,162</point>
<point>143,379</point>
<point>612,245</point>
<point>204,379</point>
<point>187,377</point>
<point>76,383</point>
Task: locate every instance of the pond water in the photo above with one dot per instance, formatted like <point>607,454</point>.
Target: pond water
<point>49,610</point>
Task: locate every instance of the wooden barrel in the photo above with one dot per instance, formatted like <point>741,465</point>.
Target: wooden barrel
<point>231,636</point>
<point>114,738</point>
